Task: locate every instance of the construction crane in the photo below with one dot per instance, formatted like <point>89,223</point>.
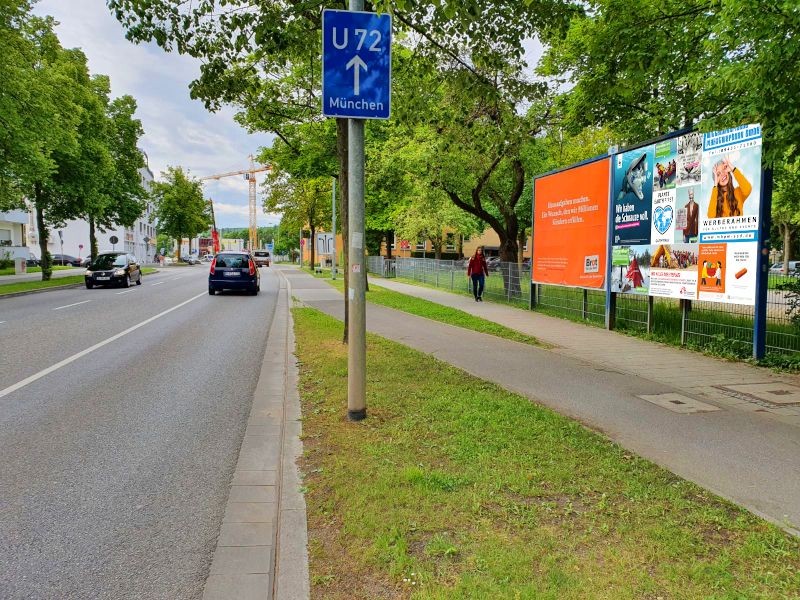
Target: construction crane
<point>250,176</point>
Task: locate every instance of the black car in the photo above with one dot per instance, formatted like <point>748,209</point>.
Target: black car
<point>65,259</point>
<point>233,271</point>
<point>113,268</point>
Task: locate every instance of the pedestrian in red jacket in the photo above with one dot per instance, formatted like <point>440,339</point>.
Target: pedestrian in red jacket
<point>478,270</point>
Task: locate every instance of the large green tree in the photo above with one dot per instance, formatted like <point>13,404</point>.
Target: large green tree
<point>181,209</point>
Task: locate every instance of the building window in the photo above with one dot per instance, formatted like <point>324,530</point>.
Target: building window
<point>525,247</point>
<point>393,240</point>
<point>450,243</point>
<point>421,243</point>
<point>5,237</point>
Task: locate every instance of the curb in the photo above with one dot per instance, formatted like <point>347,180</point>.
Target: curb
<point>261,552</point>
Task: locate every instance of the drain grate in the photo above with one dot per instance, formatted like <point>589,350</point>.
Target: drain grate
<point>765,394</point>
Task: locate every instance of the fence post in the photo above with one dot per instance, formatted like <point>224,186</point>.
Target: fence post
<point>685,307</point>
<point>451,279</point>
<point>611,309</point>
<point>508,281</point>
<point>649,314</point>
<point>436,267</point>
<point>585,304</point>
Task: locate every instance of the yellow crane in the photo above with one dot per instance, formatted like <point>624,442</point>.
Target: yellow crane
<point>250,176</point>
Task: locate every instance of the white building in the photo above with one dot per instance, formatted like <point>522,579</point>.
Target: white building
<point>73,240</point>
<point>13,235</point>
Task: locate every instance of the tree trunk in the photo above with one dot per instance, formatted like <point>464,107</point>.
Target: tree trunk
<point>47,269</point>
<point>521,237</point>
<point>508,255</point>
<point>178,248</point>
<point>389,237</point>
<point>312,241</point>
<point>341,152</point>
<point>787,246</point>
<point>92,239</point>
<point>437,250</point>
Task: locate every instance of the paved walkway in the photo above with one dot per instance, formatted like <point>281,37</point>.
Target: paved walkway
<point>261,552</point>
<point>684,411</point>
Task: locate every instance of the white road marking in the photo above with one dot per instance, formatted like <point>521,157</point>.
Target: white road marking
<point>1,322</point>
<point>90,349</point>
<point>159,283</point>
<point>74,304</point>
<point>125,292</point>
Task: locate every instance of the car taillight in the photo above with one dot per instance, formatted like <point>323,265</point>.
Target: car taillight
<point>252,267</point>
<point>213,265</point>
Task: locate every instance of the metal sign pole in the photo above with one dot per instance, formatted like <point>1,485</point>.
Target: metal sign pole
<point>333,205</point>
<point>357,315</point>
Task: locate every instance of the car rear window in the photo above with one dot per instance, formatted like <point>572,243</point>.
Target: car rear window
<point>234,261</point>
<point>262,253</point>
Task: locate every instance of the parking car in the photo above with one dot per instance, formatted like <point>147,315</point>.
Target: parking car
<point>66,259</point>
<point>494,263</point>
<point>233,271</point>
<point>113,268</point>
<point>190,259</point>
<point>262,258</point>
<point>777,268</point>
<point>31,261</point>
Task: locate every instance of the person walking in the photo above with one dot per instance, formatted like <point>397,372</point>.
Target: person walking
<point>478,270</point>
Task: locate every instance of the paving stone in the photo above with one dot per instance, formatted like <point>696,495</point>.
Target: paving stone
<point>237,587</point>
<point>229,560</point>
<point>249,512</point>
<point>246,534</point>
<point>252,493</point>
<point>679,403</point>
<point>262,477</point>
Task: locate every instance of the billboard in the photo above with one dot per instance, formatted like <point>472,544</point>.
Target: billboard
<point>686,214</point>
<point>570,224</point>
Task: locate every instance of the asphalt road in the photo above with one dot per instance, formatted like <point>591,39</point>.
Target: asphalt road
<point>115,466</point>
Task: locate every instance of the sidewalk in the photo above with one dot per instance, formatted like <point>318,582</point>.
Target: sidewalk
<point>697,416</point>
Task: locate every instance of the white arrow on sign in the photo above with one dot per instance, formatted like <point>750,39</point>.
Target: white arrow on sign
<point>356,64</point>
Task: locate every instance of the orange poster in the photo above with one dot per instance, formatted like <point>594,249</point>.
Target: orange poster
<point>711,266</point>
<point>570,226</point>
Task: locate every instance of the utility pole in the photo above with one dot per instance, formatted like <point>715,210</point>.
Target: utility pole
<point>357,314</point>
<point>333,205</point>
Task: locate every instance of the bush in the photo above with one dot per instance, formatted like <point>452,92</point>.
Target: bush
<point>6,260</point>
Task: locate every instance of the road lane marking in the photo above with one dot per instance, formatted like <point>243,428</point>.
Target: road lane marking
<point>1,322</point>
<point>125,292</point>
<point>90,349</point>
<point>159,283</point>
<point>73,304</point>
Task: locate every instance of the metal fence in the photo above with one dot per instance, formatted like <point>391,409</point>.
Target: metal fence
<point>727,328</point>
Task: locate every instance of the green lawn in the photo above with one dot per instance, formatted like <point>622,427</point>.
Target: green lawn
<point>432,310</point>
<point>10,271</point>
<point>25,286</point>
<point>456,489</point>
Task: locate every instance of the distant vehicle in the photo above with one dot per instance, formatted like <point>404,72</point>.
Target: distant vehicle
<point>66,259</point>
<point>262,258</point>
<point>207,258</point>
<point>168,260</point>
<point>526,263</point>
<point>777,268</point>
<point>494,263</point>
<point>190,260</point>
<point>86,261</point>
<point>233,271</point>
<point>31,261</point>
<point>113,268</point>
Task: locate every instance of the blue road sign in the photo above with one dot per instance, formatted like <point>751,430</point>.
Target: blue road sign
<point>356,64</point>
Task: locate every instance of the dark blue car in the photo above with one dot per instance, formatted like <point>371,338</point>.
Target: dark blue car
<point>233,271</point>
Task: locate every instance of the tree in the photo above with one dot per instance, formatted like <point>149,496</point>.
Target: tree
<point>121,197</point>
<point>305,203</point>
<point>181,210</point>
<point>786,205</point>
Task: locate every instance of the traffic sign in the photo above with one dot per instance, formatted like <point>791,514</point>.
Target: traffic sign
<point>356,64</point>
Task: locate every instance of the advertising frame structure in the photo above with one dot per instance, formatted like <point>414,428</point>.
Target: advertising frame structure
<point>687,218</point>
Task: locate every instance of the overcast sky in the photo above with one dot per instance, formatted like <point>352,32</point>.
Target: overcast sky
<point>178,130</point>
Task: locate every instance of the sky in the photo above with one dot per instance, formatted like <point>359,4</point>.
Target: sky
<point>179,131</point>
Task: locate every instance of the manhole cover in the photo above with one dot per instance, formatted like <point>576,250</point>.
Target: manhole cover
<point>772,393</point>
<point>679,403</point>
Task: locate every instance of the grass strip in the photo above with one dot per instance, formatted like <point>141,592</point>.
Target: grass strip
<point>434,311</point>
<point>454,488</point>
<point>27,286</point>
<point>10,271</point>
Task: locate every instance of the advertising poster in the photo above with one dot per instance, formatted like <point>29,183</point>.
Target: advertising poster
<point>633,196</point>
<point>663,270</point>
<point>703,203</point>
<point>730,202</point>
<point>570,224</point>
<point>689,164</point>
